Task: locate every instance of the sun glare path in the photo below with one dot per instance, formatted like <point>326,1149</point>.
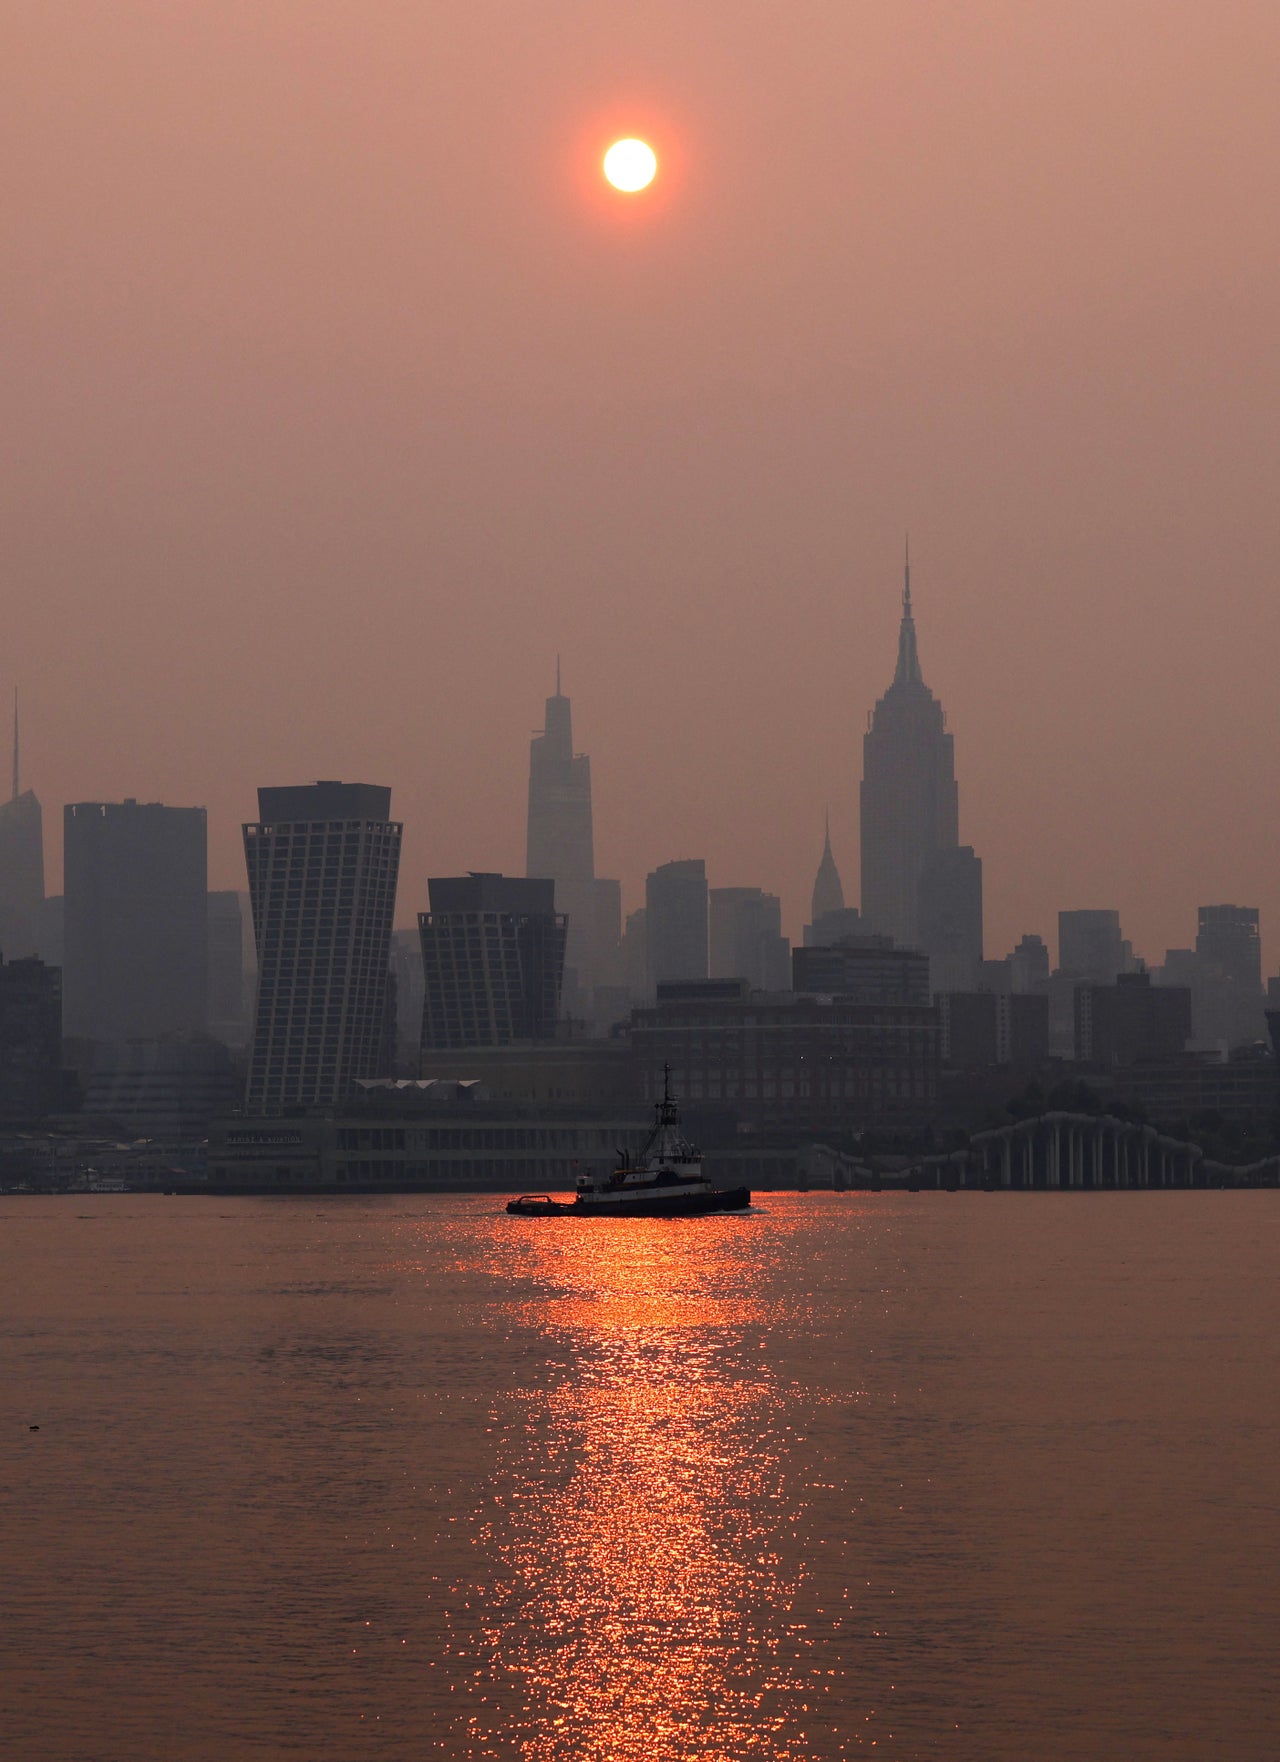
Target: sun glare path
<point>647,1609</point>
<point>630,165</point>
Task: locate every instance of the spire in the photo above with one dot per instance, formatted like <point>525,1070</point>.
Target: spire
<point>557,676</point>
<point>15,743</point>
<point>908,671</point>
<point>828,894</point>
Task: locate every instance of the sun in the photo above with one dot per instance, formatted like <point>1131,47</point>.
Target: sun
<point>630,165</point>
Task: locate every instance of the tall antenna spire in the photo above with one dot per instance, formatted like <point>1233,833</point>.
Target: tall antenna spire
<point>826,827</point>
<point>557,675</point>
<point>908,671</point>
<point>15,743</point>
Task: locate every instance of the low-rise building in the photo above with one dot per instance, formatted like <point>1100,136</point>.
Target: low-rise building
<point>423,1136</point>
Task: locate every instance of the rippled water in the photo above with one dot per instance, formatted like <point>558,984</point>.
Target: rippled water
<point>968,1477</point>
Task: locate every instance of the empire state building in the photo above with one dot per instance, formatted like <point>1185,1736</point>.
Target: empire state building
<point>919,884</point>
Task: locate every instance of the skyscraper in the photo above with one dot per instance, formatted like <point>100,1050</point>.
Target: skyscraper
<point>831,919</point>
<point>950,921</point>
<point>676,921</point>
<point>910,807</point>
<point>323,860</point>
<point>828,894</point>
<point>560,845</point>
<point>1091,946</point>
<point>136,920</point>
<point>747,940</point>
<point>226,969</point>
<point>1228,994</point>
<point>21,867</point>
<point>492,961</point>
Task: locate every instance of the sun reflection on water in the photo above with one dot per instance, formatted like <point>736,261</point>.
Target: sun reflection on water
<point>646,1609</point>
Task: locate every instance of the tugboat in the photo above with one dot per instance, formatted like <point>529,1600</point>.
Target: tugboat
<point>665,1180</point>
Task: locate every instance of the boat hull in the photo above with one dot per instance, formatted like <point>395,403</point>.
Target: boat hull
<point>668,1205</point>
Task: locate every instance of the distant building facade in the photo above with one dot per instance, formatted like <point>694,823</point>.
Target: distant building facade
<point>406,968</point>
<point>135,931</point>
<point>870,970</point>
<point>493,954</point>
<point>795,1064</point>
<point>167,1088</point>
<point>31,1084</point>
<point>226,1018</point>
<point>1029,967</point>
<point>981,1029</point>
<point>676,927</point>
<point>746,939</point>
<point>1227,990</point>
<point>21,876</point>
<point>832,927</point>
<point>1131,1022</point>
<point>323,860</point>
<point>22,927</point>
<point>950,918</point>
<point>1091,946</point>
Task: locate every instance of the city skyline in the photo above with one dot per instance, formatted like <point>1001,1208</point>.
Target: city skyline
<point>357,439</point>
<point>1180,911</point>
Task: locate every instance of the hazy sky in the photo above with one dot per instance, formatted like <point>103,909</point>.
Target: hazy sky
<point>339,396</point>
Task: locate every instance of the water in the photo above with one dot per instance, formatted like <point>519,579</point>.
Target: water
<point>964,1477</point>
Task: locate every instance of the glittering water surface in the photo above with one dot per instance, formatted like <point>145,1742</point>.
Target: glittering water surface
<point>968,1477</point>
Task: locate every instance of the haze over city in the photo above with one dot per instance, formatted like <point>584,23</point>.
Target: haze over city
<point>343,396</point>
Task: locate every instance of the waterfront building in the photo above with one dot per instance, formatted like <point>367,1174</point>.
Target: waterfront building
<point>870,970</point>
<point>427,1135</point>
<point>226,1017</point>
<point>323,861</point>
<point>746,939</point>
<point>493,954</point>
<point>136,937</point>
<point>909,798</point>
<point>676,921</point>
<point>552,1074</point>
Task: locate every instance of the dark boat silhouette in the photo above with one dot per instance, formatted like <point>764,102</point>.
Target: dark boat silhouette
<point>665,1180</point>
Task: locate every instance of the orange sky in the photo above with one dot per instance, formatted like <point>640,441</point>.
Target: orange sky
<point>340,395</point>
